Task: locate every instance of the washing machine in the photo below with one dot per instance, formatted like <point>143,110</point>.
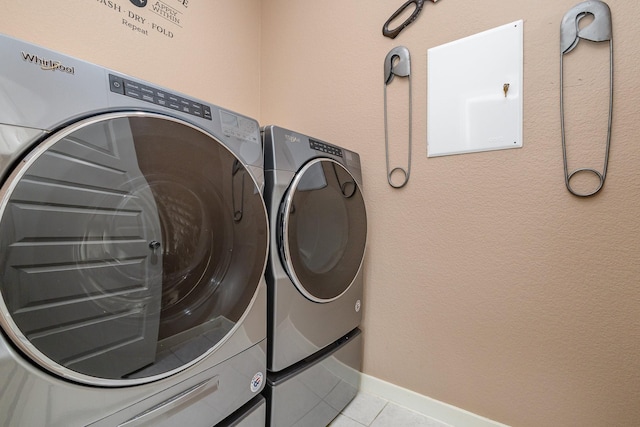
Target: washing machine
<point>318,227</point>
<point>133,243</point>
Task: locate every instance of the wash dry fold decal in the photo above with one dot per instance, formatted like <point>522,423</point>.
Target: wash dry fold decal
<point>148,18</point>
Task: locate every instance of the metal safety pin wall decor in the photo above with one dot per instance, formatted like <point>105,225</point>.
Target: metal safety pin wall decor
<point>599,30</point>
<point>397,64</point>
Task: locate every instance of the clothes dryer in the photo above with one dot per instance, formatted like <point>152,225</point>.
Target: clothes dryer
<point>319,228</point>
<point>133,243</point>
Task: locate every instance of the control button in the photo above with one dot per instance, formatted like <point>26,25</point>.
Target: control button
<point>131,85</point>
<point>116,84</point>
<point>133,93</point>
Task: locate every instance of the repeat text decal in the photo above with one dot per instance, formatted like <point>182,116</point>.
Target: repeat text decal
<point>149,17</point>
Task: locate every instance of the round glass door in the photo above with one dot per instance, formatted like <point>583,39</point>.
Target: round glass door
<point>324,230</point>
<point>130,245</point>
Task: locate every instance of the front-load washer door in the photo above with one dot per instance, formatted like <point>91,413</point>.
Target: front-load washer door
<point>131,244</point>
<point>323,230</point>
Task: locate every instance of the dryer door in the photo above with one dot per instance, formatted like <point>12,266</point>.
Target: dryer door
<point>323,230</point>
<point>130,246</point>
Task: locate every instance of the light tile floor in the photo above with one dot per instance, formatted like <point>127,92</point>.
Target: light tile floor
<point>372,411</point>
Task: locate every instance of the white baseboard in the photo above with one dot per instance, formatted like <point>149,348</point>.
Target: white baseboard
<point>427,406</point>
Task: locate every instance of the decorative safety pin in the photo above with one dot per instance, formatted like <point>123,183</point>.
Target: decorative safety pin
<point>599,30</point>
<point>397,63</point>
<point>393,33</point>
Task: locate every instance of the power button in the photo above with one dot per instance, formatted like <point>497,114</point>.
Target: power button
<point>116,84</point>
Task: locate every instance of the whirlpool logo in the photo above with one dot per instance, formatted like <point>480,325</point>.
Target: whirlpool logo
<point>47,64</point>
<point>291,138</point>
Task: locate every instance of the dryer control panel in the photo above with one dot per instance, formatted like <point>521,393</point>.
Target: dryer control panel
<point>325,148</point>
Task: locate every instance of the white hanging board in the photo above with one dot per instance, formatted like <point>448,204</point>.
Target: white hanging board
<point>467,110</point>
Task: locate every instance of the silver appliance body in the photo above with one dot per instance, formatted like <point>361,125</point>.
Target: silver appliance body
<point>134,239</point>
<point>318,227</point>
<point>252,414</point>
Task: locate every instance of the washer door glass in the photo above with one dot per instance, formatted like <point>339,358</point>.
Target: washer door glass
<point>324,230</point>
<point>130,245</point>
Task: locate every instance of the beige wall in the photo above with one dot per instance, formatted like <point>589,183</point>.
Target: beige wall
<point>489,287</point>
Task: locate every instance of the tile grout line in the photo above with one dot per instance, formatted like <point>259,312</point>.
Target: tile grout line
<point>378,414</point>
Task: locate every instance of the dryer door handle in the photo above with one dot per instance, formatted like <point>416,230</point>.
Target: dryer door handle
<point>172,405</point>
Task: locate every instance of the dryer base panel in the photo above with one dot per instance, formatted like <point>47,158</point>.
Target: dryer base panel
<point>314,391</point>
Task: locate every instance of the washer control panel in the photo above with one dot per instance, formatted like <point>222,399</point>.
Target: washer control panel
<point>325,148</point>
<point>160,97</point>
